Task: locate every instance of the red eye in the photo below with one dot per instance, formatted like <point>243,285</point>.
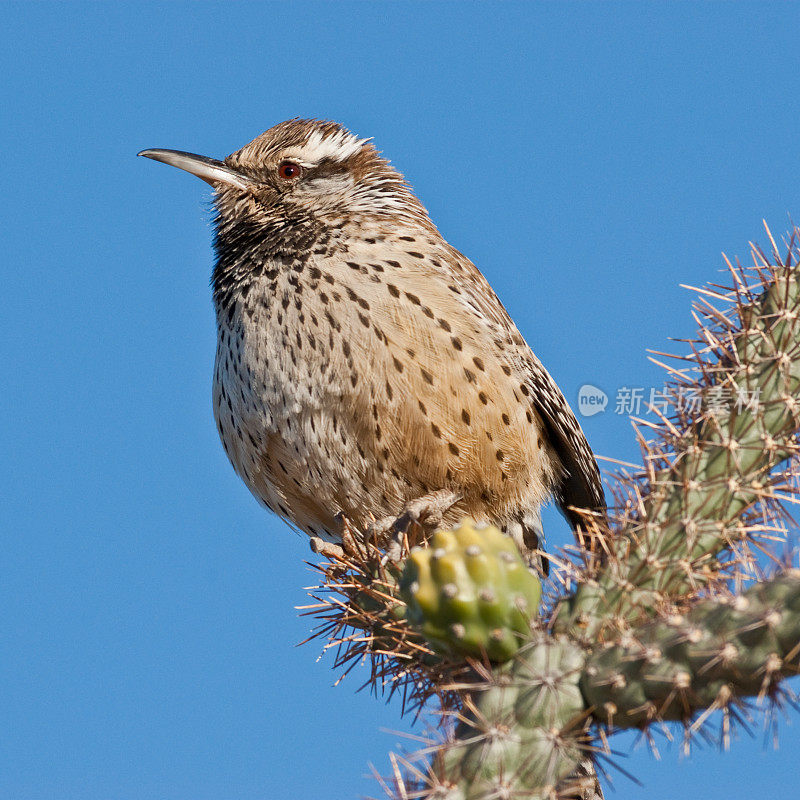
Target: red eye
<point>289,170</point>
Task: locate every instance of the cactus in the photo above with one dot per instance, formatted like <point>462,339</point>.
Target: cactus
<point>706,472</point>
<point>644,628</point>
<point>471,592</point>
<point>680,663</point>
<point>518,739</point>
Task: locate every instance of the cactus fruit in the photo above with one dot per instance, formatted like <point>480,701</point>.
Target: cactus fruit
<point>470,592</point>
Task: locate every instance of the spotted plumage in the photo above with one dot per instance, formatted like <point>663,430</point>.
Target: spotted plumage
<point>363,362</point>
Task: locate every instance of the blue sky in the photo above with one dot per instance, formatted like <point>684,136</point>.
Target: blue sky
<point>588,157</point>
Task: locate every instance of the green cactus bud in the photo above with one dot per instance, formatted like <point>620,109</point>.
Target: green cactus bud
<point>470,592</point>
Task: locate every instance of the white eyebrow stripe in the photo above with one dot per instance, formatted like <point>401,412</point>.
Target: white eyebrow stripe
<point>338,146</point>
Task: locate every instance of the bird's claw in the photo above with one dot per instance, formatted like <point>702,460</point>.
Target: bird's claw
<point>327,549</point>
<point>426,511</point>
<point>351,544</point>
<point>392,532</point>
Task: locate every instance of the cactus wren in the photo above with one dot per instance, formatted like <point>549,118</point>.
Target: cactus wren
<point>362,362</point>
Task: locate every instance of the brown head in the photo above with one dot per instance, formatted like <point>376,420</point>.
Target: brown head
<point>286,191</point>
<point>302,167</point>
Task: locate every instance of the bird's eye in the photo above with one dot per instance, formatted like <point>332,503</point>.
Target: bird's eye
<point>290,171</point>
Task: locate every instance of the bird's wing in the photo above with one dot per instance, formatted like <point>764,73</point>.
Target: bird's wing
<point>580,486</point>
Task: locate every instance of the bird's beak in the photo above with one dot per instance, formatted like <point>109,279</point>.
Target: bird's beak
<point>207,169</point>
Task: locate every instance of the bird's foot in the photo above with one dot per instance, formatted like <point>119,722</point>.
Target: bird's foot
<point>397,534</point>
<point>426,511</point>
<point>326,549</point>
<point>352,546</point>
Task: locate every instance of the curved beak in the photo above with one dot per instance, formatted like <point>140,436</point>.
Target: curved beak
<point>207,169</point>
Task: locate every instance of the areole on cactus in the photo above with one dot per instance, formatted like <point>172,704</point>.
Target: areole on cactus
<point>646,629</point>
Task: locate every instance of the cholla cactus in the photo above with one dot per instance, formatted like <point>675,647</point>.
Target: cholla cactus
<point>650,627</point>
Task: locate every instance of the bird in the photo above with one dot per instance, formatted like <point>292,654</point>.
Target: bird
<point>365,368</point>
